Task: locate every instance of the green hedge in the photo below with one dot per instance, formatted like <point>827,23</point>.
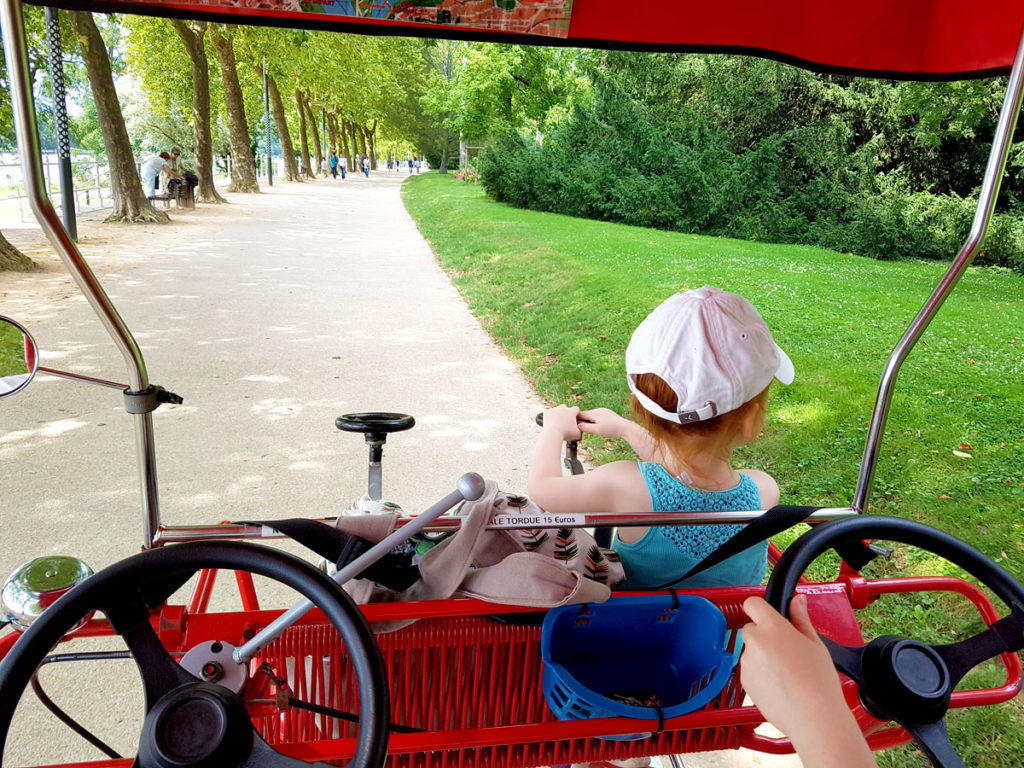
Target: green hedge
<point>621,158</point>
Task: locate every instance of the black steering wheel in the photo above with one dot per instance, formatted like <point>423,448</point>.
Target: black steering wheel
<point>191,723</point>
<point>899,679</point>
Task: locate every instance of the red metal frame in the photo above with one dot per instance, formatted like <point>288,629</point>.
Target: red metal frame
<point>906,39</point>
<point>473,684</point>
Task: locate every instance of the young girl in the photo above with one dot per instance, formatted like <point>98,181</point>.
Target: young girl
<point>699,367</point>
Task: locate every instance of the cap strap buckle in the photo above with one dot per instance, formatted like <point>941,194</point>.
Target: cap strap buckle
<point>705,412</point>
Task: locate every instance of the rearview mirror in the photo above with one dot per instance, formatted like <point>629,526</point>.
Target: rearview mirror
<point>19,357</point>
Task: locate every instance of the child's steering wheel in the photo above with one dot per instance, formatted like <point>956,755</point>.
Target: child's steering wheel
<point>899,679</point>
<point>190,723</point>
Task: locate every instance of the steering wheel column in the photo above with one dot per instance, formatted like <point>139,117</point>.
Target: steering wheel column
<point>901,679</point>
<point>192,723</point>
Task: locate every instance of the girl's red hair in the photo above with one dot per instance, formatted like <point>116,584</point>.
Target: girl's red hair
<point>674,436</point>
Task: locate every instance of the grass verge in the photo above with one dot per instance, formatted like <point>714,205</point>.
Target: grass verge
<point>563,295</point>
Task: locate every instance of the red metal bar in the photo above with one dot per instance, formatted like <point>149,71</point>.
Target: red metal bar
<point>474,684</point>
<point>200,598</point>
<point>7,642</point>
<point>247,591</point>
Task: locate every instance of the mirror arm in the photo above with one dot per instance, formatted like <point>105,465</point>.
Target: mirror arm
<point>80,377</point>
<point>145,401</point>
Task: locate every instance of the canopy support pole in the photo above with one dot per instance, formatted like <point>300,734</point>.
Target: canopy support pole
<point>982,215</point>
<point>12,27</point>
<point>266,123</point>
<point>60,119</point>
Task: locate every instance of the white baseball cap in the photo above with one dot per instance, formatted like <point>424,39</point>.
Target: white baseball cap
<point>711,347</point>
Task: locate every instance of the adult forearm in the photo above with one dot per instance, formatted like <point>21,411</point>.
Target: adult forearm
<point>835,743</point>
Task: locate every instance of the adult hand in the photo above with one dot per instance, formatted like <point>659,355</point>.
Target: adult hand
<point>786,668</point>
<point>561,420</point>
<point>789,674</point>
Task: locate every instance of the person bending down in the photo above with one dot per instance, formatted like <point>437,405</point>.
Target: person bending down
<point>699,368</point>
<point>151,170</point>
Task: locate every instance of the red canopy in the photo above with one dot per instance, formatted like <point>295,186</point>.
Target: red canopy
<point>896,38</point>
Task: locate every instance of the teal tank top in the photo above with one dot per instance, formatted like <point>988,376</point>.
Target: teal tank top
<point>667,552</point>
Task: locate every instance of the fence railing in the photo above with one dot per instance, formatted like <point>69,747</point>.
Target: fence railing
<point>91,182</point>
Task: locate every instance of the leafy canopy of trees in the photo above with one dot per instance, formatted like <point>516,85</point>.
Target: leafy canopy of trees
<point>723,145</point>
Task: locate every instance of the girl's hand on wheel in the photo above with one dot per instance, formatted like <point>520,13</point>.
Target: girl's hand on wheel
<point>602,421</point>
<point>561,420</point>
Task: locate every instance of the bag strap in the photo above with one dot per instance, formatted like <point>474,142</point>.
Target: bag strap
<point>394,571</point>
<point>775,520</point>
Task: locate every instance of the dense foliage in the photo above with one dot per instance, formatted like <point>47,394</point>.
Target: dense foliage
<point>763,151</point>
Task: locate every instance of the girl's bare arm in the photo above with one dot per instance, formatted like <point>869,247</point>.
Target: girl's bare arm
<point>607,423</point>
<point>609,488</point>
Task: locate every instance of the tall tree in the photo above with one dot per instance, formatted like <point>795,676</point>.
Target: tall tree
<point>352,135</point>
<point>192,34</point>
<point>13,259</point>
<point>446,59</point>
<point>130,203</point>
<point>371,143</point>
<point>35,34</point>
<point>291,168</point>
<point>332,134</point>
<point>312,123</point>
<point>243,165</point>
<point>483,91</point>
<point>300,100</point>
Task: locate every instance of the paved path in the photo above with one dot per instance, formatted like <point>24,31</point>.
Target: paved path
<point>323,300</point>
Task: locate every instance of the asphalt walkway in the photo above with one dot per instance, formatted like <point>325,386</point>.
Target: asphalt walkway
<point>271,318</point>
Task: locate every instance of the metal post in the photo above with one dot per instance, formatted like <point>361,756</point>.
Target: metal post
<point>12,27</point>
<point>323,127</point>
<point>266,122</point>
<point>986,204</point>
<point>60,115</point>
<point>470,488</point>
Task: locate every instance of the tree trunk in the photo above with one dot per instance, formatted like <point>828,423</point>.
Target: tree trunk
<point>243,165</point>
<point>352,133</point>
<point>332,133</point>
<point>444,150</point>
<point>318,154</point>
<point>371,137</point>
<point>291,168</point>
<point>130,203</point>
<point>362,140</point>
<point>300,99</point>
<point>13,259</point>
<point>192,34</point>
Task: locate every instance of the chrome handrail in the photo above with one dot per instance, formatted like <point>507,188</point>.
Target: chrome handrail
<point>982,214</point>
<point>173,534</point>
<point>12,27</point>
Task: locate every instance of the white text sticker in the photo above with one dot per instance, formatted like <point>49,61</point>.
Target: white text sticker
<point>538,521</point>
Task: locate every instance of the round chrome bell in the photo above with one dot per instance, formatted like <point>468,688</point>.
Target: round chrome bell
<point>36,585</point>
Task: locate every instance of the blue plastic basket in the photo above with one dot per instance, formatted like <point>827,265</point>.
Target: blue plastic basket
<point>630,656</point>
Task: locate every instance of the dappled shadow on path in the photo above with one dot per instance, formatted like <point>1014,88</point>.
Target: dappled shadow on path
<point>271,317</point>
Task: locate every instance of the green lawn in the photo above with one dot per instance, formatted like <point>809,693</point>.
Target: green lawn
<point>12,352</point>
<point>562,295</point>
